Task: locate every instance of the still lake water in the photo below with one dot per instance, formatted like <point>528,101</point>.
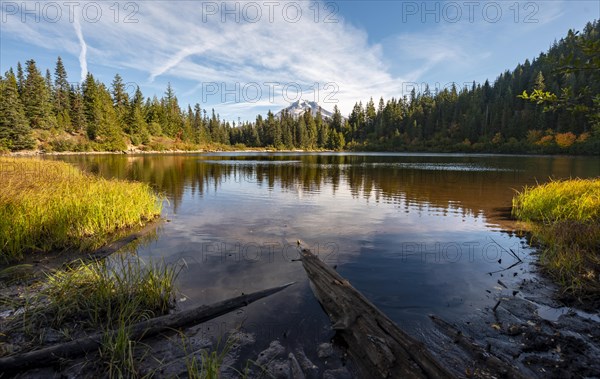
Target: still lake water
<point>416,233</point>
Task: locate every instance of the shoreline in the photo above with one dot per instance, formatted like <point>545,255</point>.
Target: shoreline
<point>41,153</point>
<point>37,153</point>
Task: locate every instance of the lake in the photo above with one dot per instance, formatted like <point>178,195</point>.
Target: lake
<point>416,233</point>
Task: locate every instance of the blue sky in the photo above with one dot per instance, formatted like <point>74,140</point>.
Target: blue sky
<point>243,58</point>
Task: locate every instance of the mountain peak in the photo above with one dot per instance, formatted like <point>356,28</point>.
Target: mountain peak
<point>300,106</point>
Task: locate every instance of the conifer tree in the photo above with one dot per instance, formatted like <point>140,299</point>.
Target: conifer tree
<point>62,107</point>
<point>15,133</point>
<point>136,125</point>
<point>36,99</point>
<point>90,107</point>
<point>172,121</point>
<point>20,80</point>
<point>322,131</point>
<point>311,130</point>
<point>61,88</point>
<point>108,130</point>
<point>77,112</point>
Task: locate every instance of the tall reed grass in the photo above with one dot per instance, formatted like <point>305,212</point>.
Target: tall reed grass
<point>108,295</point>
<point>51,206</point>
<point>564,219</point>
<point>104,293</point>
<point>575,200</point>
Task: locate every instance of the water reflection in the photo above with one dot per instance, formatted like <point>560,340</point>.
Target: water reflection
<point>417,234</point>
<point>474,184</point>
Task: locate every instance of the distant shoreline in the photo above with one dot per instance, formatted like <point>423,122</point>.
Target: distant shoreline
<point>33,153</point>
<point>41,153</point>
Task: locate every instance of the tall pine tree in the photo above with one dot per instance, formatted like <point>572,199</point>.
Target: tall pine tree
<point>15,133</point>
<point>62,106</point>
<point>36,98</point>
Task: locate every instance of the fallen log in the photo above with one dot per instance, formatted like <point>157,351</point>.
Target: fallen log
<point>49,355</point>
<point>379,348</point>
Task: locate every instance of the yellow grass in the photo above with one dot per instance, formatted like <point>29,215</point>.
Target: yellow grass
<point>565,218</point>
<point>50,206</point>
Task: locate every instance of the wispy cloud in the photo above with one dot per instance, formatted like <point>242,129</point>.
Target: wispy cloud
<point>179,41</point>
<point>175,41</point>
<point>83,52</point>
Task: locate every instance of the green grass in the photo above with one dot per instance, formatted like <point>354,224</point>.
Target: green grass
<point>209,364</point>
<point>564,218</point>
<point>48,206</point>
<point>108,295</point>
<point>574,200</point>
<point>97,294</point>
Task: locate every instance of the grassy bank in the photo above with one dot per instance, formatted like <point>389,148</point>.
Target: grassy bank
<point>108,295</point>
<point>51,206</point>
<point>564,217</point>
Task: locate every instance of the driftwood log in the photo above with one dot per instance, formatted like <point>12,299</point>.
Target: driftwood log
<point>378,347</point>
<point>49,355</point>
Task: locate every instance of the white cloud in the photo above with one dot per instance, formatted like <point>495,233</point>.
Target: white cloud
<point>171,41</point>
<point>176,41</point>
<point>83,53</point>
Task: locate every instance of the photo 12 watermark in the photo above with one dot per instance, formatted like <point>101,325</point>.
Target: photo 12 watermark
<point>272,11</point>
<point>261,252</point>
<point>525,12</point>
<point>70,11</point>
<point>253,92</point>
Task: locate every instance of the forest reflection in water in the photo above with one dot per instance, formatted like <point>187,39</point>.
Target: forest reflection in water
<point>416,233</point>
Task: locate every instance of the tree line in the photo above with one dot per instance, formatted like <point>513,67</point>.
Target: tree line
<point>48,112</point>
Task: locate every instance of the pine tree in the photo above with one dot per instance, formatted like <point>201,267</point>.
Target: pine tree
<point>36,99</point>
<point>336,119</point>
<point>62,106</point>
<point>61,88</point>
<point>108,130</point>
<point>49,86</point>
<point>322,131</point>
<point>173,122</point>
<point>15,133</point>
<point>370,116</point>
<point>201,133</point>
<point>301,133</point>
<point>136,125</point>
<point>90,108</point>
<point>20,80</point>
<point>311,130</point>
<point>119,96</point>
<point>77,113</point>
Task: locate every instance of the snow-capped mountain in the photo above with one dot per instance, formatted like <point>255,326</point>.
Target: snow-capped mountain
<point>298,108</point>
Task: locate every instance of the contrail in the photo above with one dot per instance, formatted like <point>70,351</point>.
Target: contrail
<point>83,53</point>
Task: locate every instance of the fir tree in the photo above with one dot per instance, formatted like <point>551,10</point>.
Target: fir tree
<point>108,130</point>
<point>172,121</point>
<point>77,112</point>
<point>90,108</point>
<point>36,99</point>
<point>15,133</point>
<point>62,107</point>
<point>137,127</point>
<point>20,80</point>
<point>61,88</point>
